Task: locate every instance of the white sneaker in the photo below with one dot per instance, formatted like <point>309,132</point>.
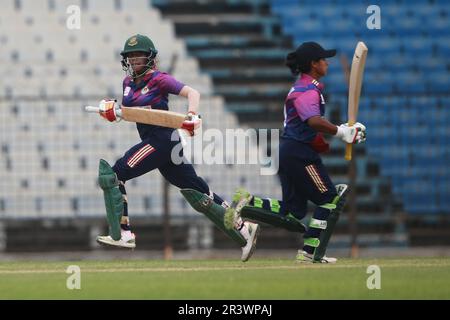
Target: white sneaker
<point>128,240</point>
<point>250,232</point>
<point>304,257</point>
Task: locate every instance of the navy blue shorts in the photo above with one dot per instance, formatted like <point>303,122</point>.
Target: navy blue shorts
<point>303,177</point>
<point>154,152</point>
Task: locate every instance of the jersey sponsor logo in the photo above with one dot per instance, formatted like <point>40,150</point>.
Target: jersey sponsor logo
<point>144,90</point>
<point>126,91</point>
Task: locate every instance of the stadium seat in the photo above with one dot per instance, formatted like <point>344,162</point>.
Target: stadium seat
<point>439,82</point>
<point>410,83</point>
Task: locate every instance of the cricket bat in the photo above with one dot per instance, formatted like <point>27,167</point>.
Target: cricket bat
<point>354,89</point>
<point>155,117</point>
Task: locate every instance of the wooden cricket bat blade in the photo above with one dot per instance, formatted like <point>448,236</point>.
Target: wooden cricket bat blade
<point>354,90</point>
<point>155,117</point>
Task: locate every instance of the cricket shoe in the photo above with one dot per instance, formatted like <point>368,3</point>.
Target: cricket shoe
<point>250,233</point>
<point>304,257</point>
<point>240,199</point>
<point>128,240</point>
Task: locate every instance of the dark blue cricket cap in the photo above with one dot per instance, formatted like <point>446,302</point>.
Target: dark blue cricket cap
<point>309,51</point>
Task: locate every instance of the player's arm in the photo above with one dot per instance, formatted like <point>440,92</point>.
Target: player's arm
<point>193,122</point>
<point>322,125</point>
<point>352,134</point>
<point>193,97</point>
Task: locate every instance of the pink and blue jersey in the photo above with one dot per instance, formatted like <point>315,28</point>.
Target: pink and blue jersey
<point>304,101</point>
<point>153,92</point>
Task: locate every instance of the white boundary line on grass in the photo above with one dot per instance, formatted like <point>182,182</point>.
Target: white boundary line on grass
<point>299,266</point>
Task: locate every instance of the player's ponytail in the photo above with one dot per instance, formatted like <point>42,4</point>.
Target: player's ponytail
<point>292,64</point>
<point>296,64</point>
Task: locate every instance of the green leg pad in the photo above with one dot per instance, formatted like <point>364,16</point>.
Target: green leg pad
<point>325,236</point>
<point>338,204</point>
<point>204,204</point>
<point>107,179</point>
<point>288,222</point>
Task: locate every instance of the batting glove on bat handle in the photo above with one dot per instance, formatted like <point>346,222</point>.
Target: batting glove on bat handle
<point>351,134</point>
<point>110,110</point>
<point>192,123</point>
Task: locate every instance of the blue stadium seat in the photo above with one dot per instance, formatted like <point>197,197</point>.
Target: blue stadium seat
<point>409,82</point>
<point>439,25</point>
<point>309,29</point>
<point>336,83</point>
<point>423,102</point>
<point>443,47</point>
<point>418,46</point>
<point>445,102</point>
<point>438,82</point>
<point>378,83</point>
<point>407,26</point>
<point>383,46</point>
<point>339,27</point>
<point>431,65</point>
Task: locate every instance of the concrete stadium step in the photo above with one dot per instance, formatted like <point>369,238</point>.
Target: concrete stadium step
<point>243,62</point>
<point>212,7</point>
<point>221,72</point>
<point>221,28</point>
<point>224,17</point>
<point>252,94</point>
<point>250,76</point>
<point>257,53</point>
<point>272,88</point>
<point>371,219</point>
<point>199,42</point>
<point>259,120</point>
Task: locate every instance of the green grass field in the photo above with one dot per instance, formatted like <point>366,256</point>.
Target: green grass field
<point>424,278</point>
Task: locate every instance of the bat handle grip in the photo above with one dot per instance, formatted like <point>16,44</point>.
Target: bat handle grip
<point>348,151</point>
<point>349,146</point>
<point>92,109</point>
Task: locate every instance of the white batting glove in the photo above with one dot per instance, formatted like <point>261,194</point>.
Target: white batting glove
<point>192,124</point>
<point>108,110</point>
<point>352,134</point>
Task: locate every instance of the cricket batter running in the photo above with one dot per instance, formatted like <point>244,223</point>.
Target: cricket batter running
<point>302,174</point>
<point>145,85</point>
